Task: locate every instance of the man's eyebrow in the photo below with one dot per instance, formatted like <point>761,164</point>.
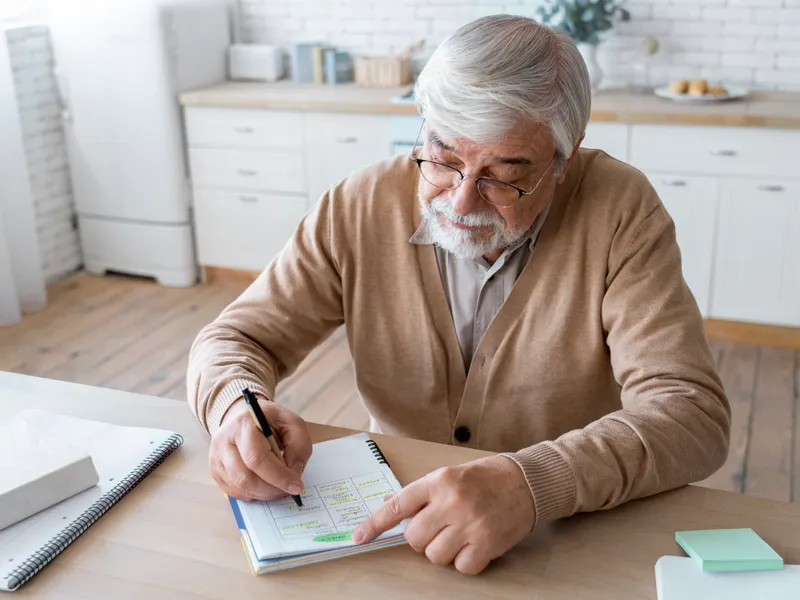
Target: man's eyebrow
<point>512,160</point>
<point>524,161</point>
<point>434,139</point>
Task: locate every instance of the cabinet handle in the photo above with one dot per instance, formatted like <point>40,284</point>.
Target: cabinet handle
<point>347,140</point>
<point>724,152</point>
<point>770,188</point>
<point>243,129</point>
<point>674,182</point>
<point>248,198</point>
<point>248,172</point>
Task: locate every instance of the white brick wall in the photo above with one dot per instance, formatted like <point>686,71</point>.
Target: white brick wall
<point>749,42</point>
<point>45,149</point>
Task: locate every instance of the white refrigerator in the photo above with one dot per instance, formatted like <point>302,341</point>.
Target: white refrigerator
<point>120,66</point>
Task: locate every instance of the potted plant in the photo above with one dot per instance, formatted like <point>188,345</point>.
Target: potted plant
<point>584,21</point>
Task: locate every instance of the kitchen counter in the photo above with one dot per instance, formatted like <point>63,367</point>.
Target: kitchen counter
<point>759,109</point>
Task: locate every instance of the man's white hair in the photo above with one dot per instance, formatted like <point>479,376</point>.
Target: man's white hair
<point>498,70</point>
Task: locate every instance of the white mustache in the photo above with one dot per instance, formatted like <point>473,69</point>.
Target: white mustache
<point>442,206</point>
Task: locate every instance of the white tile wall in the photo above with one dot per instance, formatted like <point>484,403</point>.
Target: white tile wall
<point>45,149</point>
<point>750,42</point>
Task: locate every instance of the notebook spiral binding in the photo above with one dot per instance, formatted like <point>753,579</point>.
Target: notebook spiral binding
<point>376,452</point>
<point>57,544</point>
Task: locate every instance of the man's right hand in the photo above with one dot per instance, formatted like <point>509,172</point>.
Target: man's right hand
<point>240,458</point>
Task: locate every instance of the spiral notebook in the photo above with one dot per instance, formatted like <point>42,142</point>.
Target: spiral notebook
<point>123,456</point>
<point>345,481</point>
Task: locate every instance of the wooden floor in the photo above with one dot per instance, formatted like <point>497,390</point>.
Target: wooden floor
<point>130,334</point>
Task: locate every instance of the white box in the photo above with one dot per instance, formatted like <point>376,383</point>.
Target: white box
<point>255,62</point>
<point>38,470</point>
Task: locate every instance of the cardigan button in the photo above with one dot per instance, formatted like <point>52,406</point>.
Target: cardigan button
<point>462,434</point>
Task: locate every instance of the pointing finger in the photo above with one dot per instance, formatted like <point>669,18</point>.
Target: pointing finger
<point>406,503</point>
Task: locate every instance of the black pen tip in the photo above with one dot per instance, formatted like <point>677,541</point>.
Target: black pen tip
<point>298,501</point>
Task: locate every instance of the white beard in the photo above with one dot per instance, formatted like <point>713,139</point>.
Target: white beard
<point>463,243</point>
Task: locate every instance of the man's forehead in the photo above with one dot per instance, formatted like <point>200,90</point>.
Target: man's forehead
<point>528,140</point>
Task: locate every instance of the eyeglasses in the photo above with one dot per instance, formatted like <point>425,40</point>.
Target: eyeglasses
<point>497,193</point>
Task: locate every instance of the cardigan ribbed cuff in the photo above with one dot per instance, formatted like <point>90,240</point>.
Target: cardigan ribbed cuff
<point>550,480</point>
<point>229,394</point>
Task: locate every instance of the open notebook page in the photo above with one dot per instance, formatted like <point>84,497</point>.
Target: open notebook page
<point>345,481</point>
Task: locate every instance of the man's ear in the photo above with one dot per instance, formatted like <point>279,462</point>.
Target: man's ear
<point>563,175</point>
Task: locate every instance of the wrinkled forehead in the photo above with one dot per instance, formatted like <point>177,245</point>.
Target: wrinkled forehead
<point>526,143</point>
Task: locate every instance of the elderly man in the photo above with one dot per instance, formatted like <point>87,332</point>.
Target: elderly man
<point>501,289</point>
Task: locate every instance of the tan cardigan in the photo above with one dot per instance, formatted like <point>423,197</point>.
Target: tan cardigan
<point>595,375</point>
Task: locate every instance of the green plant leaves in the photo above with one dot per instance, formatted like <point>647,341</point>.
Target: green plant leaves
<point>582,20</point>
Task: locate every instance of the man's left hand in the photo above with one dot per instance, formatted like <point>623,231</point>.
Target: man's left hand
<point>468,514</point>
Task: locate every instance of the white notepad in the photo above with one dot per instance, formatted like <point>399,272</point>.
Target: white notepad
<point>345,481</point>
<point>679,578</point>
<point>123,457</point>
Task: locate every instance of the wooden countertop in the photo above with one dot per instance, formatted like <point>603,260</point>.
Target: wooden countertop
<point>174,536</point>
<point>759,109</point>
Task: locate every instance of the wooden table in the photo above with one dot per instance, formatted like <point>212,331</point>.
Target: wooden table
<point>174,536</point>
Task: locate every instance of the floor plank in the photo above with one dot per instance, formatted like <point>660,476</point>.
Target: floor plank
<point>737,369</point>
<point>61,296</point>
<point>768,468</point>
<point>133,369</point>
<point>353,414</point>
<point>88,329</point>
<point>311,383</point>
<point>52,328</point>
<point>329,401</point>
<point>97,349</point>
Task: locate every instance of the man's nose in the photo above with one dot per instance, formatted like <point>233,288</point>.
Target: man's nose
<point>465,199</point>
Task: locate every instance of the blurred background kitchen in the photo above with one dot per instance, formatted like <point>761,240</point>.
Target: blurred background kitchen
<point>155,156</point>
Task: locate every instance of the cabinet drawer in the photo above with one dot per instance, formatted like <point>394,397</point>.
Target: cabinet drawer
<point>738,151</point>
<point>262,170</point>
<point>242,128</point>
<point>340,144</point>
<point>243,230</point>
<point>611,138</point>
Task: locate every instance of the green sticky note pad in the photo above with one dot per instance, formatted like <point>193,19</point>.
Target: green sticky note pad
<point>729,550</point>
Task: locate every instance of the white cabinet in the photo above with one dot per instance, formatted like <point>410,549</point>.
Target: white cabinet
<point>244,128</point>
<point>249,183</point>
<point>259,170</point>
<point>692,204</point>
<point>612,138</point>
<point>338,144</point>
<point>255,174</point>
<point>733,151</point>
<point>744,264</point>
<point>757,265</point>
<point>243,230</point>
